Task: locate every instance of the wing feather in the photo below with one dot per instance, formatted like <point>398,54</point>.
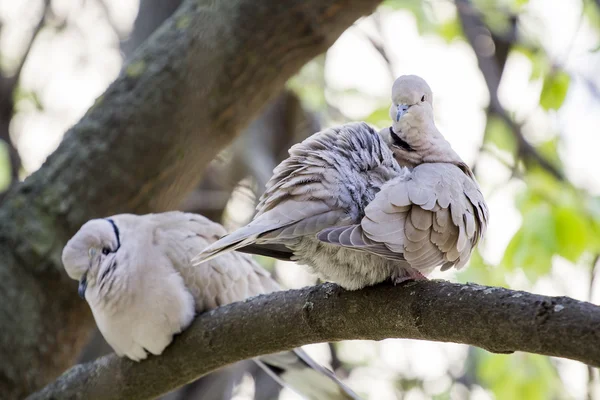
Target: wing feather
<point>433,216</point>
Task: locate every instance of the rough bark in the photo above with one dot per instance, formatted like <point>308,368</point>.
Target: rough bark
<point>497,319</point>
<point>184,95</point>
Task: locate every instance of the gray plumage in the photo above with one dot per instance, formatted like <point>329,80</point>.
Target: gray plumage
<point>135,272</point>
<point>360,206</point>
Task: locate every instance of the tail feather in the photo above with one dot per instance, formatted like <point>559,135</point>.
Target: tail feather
<point>343,389</point>
<point>240,238</point>
<point>275,373</point>
<point>300,373</point>
<point>273,250</point>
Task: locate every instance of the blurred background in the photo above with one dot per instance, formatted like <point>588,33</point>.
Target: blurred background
<point>516,91</point>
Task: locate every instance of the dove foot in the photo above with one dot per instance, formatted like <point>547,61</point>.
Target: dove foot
<point>410,275</point>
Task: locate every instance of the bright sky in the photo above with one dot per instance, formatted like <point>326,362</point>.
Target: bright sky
<point>70,69</point>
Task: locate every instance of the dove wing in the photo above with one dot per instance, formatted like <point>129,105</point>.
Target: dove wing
<point>433,216</point>
<point>230,277</point>
<point>316,188</point>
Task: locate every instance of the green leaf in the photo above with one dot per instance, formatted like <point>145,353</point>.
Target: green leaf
<point>518,376</point>
<point>540,65</point>
<point>379,117</point>
<point>534,244</point>
<point>571,233</point>
<point>557,220</point>
<point>554,91</point>
<point>549,149</point>
<point>592,14</point>
<point>499,134</point>
<point>308,84</point>
<point>450,30</point>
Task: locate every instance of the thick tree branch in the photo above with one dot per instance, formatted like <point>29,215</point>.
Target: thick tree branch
<point>185,94</point>
<point>496,319</point>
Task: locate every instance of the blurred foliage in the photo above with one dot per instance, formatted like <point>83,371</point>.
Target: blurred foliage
<point>309,84</point>
<point>558,220</point>
<point>518,376</point>
<point>498,133</point>
<point>481,271</point>
<point>26,100</point>
<point>554,90</point>
<point>5,168</point>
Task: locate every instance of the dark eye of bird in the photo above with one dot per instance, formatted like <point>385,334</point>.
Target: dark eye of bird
<point>423,98</point>
<point>105,250</point>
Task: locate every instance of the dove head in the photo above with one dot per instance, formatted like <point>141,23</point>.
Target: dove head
<point>90,256</point>
<point>413,136</point>
<point>411,98</point>
<point>138,300</point>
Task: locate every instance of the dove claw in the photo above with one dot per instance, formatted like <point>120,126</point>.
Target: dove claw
<point>408,275</point>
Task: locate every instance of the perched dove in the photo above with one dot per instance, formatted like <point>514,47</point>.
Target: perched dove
<point>135,273</point>
<point>360,206</point>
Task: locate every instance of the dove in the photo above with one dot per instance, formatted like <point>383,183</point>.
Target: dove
<point>361,206</point>
<point>135,273</point>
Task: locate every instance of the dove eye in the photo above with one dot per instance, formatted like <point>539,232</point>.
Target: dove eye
<point>423,98</point>
<point>105,250</point>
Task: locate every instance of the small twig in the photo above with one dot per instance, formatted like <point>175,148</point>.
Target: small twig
<point>336,363</point>
<point>502,46</point>
<point>593,269</point>
<point>38,27</point>
<point>379,44</point>
<point>591,86</point>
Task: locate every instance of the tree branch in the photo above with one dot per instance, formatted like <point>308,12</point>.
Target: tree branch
<point>8,84</point>
<point>497,319</point>
<point>480,38</point>
<point>186,93</point>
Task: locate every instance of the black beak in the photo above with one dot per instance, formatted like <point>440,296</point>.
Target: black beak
<point>82,286</point>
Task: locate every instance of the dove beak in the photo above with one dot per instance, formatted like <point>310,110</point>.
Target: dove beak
<point>401,110</point>
<point>82,286</point>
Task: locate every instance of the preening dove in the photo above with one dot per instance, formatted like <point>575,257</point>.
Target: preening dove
<point>135,273</point>
<point>360,206</point>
